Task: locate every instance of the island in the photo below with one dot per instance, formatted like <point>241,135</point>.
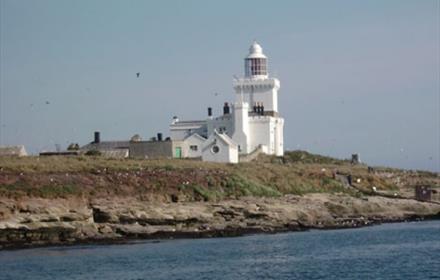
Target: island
<point>80,199</point>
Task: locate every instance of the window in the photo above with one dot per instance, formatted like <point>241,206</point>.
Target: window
<point>255,66</point>
<point>193,148</point>
<point>215,149</point>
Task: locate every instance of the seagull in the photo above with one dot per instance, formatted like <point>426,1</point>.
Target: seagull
<point>47,102</point>
<point>216,93</point>
<point>138,74</point>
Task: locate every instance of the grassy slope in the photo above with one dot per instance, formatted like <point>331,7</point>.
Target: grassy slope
<point>92,177</point>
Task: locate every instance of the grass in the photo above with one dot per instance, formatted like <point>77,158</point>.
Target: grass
<point>47,164</point>
<point>45,191</point>
<point>298,172</point>
<point>241,186</point>
<point>308,158</point>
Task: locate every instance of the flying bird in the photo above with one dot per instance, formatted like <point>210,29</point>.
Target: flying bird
<point>47,102</point>
<point>138,74</point>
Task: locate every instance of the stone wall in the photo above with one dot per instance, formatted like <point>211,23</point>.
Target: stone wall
<point>150,149</point>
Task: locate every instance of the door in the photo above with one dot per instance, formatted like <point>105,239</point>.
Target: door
<point>178,152</point>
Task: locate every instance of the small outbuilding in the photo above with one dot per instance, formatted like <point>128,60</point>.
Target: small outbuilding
<point>190,147</point>
<point>219,147</point>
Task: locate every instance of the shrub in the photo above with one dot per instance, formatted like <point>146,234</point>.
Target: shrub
<point>93,153</point>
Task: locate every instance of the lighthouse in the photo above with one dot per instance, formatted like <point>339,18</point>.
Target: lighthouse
<point>260,93</point>
<point>250,125</point>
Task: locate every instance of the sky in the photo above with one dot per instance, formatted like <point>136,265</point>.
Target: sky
<point>356,76</point>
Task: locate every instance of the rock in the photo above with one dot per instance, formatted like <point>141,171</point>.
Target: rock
<point>66,222</point>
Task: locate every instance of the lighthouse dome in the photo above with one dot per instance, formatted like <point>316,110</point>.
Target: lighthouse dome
<point>256,51</point>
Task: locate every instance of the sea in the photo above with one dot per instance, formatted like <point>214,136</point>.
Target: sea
<point>388,251</point>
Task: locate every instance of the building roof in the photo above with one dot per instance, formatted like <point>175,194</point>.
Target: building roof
<point>256,51</point>
<point>222,137</point>
<point>225,138</point>
<point>196,123</point>
<point>195,135</point>
<point>107,145</point>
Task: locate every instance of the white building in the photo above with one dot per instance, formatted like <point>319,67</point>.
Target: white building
<point>219,147</point>
<point>251,123</point>
<point>13,151</point>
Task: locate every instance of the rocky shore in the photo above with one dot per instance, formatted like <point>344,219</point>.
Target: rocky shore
<point>72,200</point>
<point>30,222</point>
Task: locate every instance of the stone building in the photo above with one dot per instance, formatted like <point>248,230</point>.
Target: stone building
<point>134,148</point>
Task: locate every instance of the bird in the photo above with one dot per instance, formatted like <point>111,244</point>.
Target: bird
<point>47,102</point>
<point>138,74</point>
<point>216,93</point>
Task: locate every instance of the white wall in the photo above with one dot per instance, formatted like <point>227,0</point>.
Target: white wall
<point>241,127</point>
<point>262,90</point>
<point>266,131</point>
<point>226,152</point>
<point>259,132</point>
<point>193,140</point>
<point>279,137</point>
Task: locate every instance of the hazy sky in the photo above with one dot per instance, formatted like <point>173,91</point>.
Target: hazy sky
<point>356,76</point>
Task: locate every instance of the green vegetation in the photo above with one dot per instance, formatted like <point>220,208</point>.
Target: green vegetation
<point>73,147</point>
<point>305,157</point>
<point>45,191</point>
<point>237,185</point>
<point>93,153</point>
<point>298,172</point>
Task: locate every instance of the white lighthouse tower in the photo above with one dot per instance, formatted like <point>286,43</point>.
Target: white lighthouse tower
<point>260,93</point>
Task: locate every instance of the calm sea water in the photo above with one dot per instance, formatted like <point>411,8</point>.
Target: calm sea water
<point>391,251</point>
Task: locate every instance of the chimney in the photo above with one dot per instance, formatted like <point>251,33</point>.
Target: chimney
<point>226,109</point>
<point>97,137</point>
<point>255,107</point>
<point>159,137</point>
<point>209,112</point>
<point>258,108</point>
<point>262,109</point>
